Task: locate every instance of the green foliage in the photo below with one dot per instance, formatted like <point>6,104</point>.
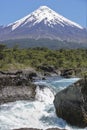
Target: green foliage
<point>2,47</point>
<point>22,58</point>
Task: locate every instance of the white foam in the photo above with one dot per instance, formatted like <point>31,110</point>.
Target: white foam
<point>38,114</point>
<point>44,95</point>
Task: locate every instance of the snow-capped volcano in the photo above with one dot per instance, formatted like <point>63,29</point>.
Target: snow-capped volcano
<point>44,23</point>
<point>45,14</point>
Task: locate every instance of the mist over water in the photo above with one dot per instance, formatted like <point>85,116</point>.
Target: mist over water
<point>39,113</point>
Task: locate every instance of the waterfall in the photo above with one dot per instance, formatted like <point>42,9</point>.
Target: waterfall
<point>44,94</point>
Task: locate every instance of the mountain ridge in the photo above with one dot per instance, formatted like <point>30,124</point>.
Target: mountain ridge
<point>44,23</point>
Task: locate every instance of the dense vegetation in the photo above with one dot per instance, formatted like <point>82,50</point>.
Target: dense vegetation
<point>15,58</point>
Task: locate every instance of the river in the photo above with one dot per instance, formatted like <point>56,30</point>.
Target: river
<point>39,113</point>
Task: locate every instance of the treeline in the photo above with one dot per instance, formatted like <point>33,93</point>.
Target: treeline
<point>15,58</point>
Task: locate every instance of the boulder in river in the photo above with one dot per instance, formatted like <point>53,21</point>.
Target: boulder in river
<point>71,104</point>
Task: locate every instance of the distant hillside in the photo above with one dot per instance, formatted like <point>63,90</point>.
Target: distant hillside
<point>51,44</point>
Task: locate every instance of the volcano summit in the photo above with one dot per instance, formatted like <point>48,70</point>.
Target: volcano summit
<point>44,23</point>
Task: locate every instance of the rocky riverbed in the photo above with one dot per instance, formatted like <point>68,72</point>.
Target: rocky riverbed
<point>18,84</point>
<point>70,103</point>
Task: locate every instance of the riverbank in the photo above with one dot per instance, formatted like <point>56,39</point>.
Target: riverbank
<point>67,62</point>
<point>18,84</point>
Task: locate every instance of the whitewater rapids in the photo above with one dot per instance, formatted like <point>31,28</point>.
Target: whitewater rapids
<point>39,113</point>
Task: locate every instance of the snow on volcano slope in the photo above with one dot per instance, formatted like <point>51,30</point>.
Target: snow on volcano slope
<point>44,23</point>
<point>47,15</point>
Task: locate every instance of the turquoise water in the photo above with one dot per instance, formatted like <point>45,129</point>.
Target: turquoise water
<point>57,83</point>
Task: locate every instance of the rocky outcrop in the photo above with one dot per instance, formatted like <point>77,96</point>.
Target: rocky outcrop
<point>73,72</point>
<point>14,93</point>
<point>16,85</point>
<point>68,73</point>
<point>26,74</point>
<point>71,104</point>
<point>49,70</point>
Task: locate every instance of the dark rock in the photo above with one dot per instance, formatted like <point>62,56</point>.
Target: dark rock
<point>27,129</point>
<point>68,73</point>
<point>16,78</point>
<point>54,129</point>
<point>46,68</point>
<point>71,104</point>
<point>16,85</point>
<point>14,93</point>
<point>29,74</point>
<point>43,78</point>
<point>73,72</point>
<point>15,72</point>
<point>39,129</point>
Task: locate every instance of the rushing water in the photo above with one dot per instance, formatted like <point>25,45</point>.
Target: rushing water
<point>39,113</point>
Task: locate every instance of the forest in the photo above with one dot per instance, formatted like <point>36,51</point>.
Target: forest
<point>16,58</point>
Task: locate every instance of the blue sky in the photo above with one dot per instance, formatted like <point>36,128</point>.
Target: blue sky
<point>12,10</point>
